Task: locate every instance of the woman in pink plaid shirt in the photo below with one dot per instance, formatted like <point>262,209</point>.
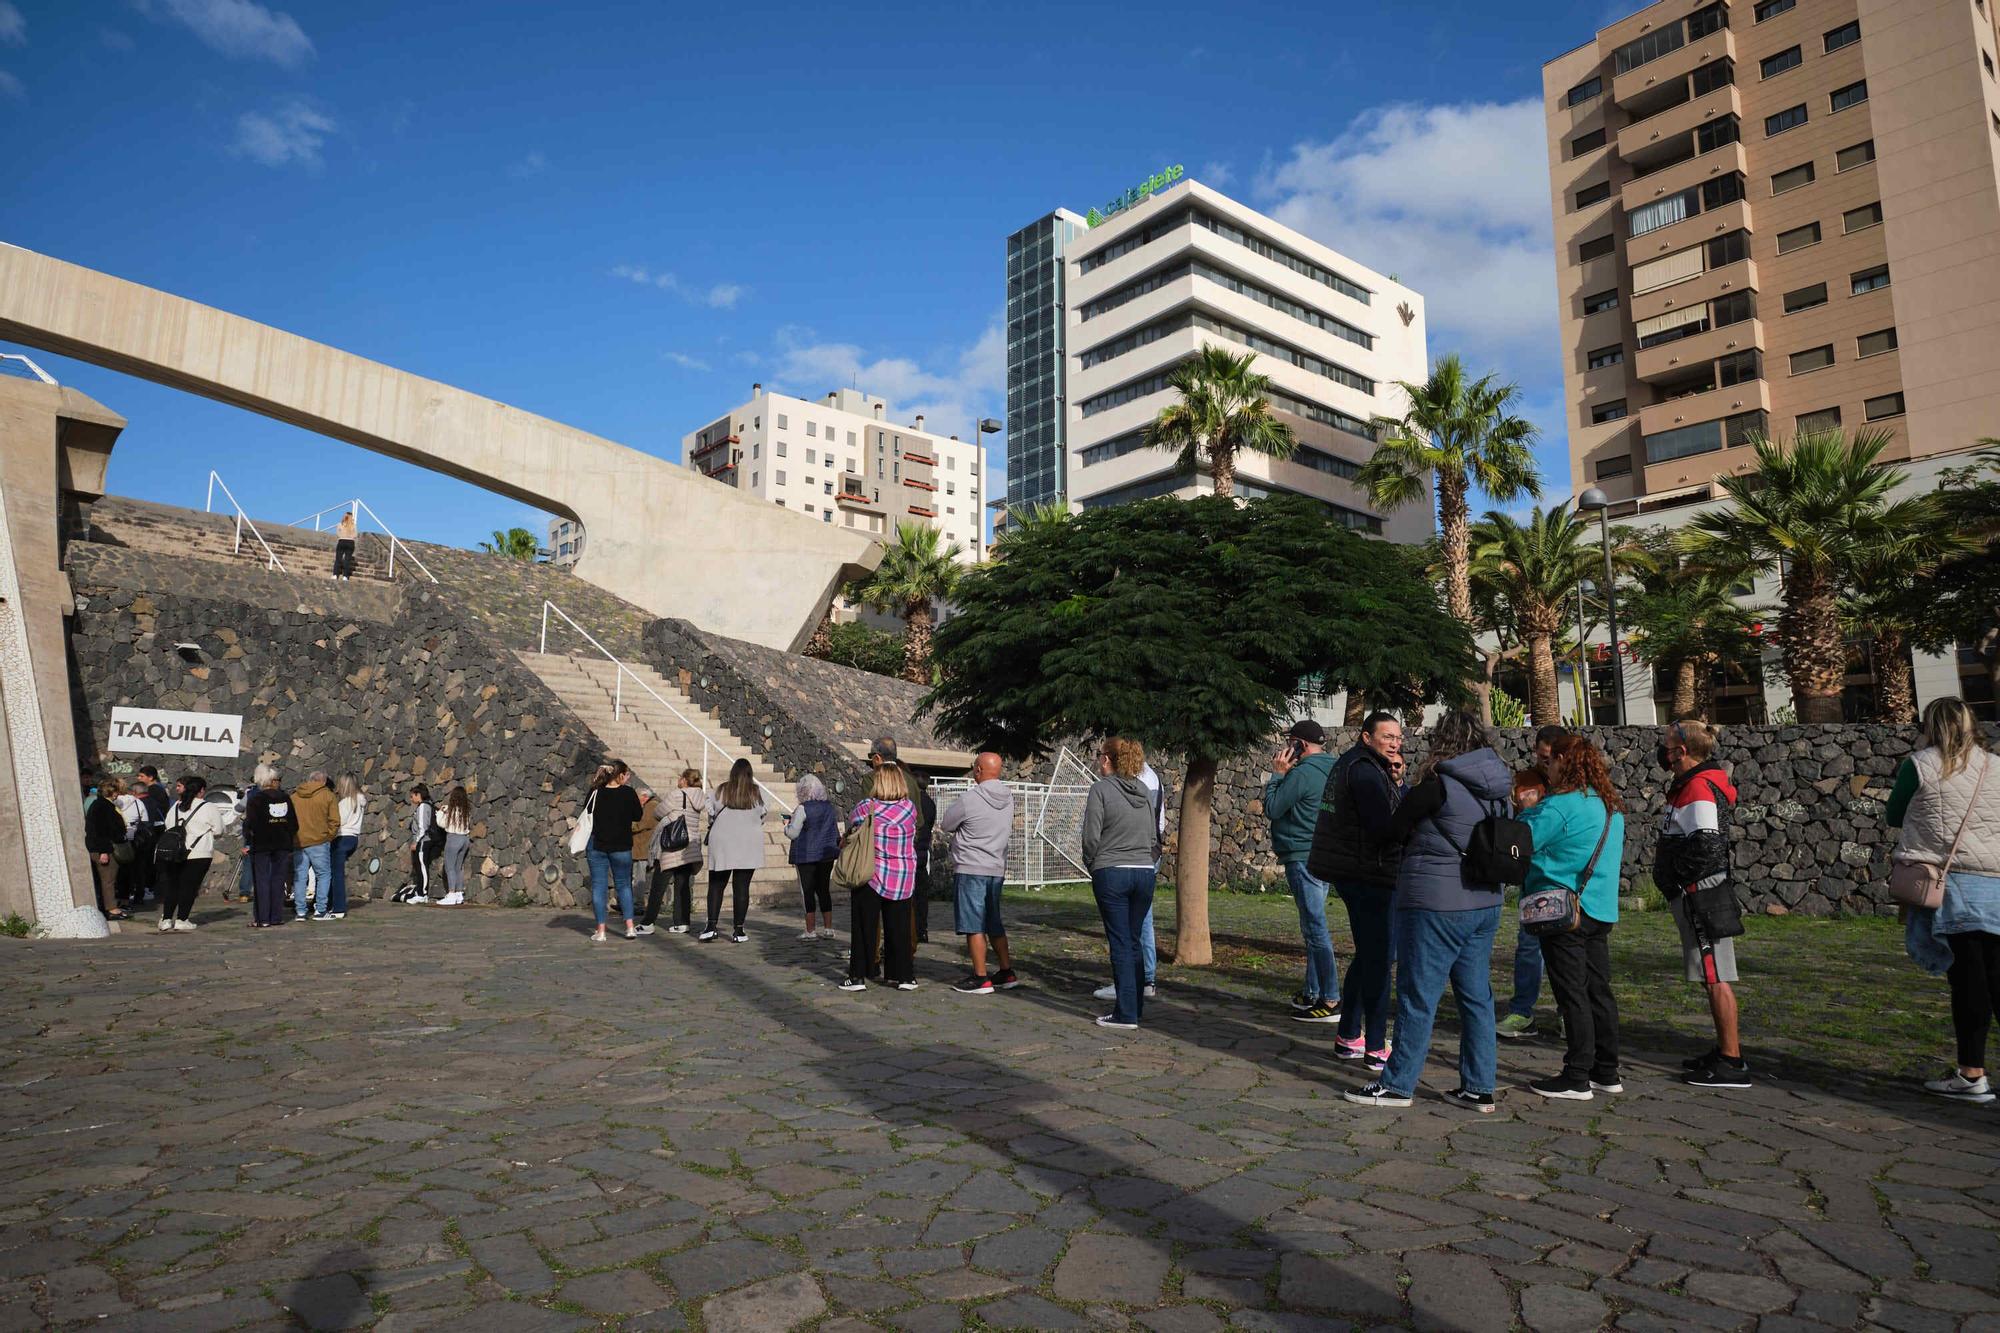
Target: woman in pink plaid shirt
<point>880,903</point>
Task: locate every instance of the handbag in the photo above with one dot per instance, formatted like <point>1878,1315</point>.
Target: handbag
<point>674,837</point>
<point>855,866</point>
<point>1921,884</point>
<point>1560,910</point>
<point>579,837</point>
<point>1497,850</point>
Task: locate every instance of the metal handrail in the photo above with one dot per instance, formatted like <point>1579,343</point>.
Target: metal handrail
<point>33,369</point>
<point>394,540</point>
<point>207,505</point>
<point>618,699</point>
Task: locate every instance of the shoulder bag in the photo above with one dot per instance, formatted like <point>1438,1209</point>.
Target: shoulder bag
<point>1559,911</point>
<point>674,837</point>
<point>579,837</point>
<point>1921,884</point>
<point>855,866</point>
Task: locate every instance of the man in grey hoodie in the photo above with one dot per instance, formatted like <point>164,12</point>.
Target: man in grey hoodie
<point>980,822</point>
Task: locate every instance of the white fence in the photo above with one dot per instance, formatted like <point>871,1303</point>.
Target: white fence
<point>1047,843</point>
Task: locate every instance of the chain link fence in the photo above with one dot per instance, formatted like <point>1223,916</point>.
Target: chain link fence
<point>1046,846</point>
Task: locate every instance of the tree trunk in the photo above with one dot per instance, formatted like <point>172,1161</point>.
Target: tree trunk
<point>1895,687</point>
<point>1543,701</point>
<point>1357,709</point>
<point>1686,684</point>
<point>1455,540</point>
<point>917,643</point>
<point>1222,468</point>
<point>1815,649</point>
<point>1191,943</point>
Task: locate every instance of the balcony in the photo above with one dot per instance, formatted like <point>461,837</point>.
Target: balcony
<point>1688,231</point>
<point>1677,474</point>
<point>1749,396</point>
<point>1675,359</point>
<point>713,445</point>
<point>921,512</point>
<point>1644,140</point>
<point>1633,90</point>
<point>1730,157</point>
<point>1702,288</point>
<point>910,457</point>
<point>919,485</point>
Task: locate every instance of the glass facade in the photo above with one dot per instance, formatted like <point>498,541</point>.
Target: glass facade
<point>1037,443</point>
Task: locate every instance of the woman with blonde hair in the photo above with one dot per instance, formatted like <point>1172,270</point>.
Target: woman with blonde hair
<point>1946,801</point>
<point>814,832</point>
<point>882,903</point>
<point>682,820</point>
<point>735,847</point>
<point>353,809</point>
<point>1121,848</point>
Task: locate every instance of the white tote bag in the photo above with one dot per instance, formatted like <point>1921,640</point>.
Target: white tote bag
<point>579,837</point>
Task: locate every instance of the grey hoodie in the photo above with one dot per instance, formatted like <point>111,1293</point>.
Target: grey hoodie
<point>1118,825</point>
<point>980,821</point>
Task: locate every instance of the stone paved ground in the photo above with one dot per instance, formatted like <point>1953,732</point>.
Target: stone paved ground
<point>475,1120</point>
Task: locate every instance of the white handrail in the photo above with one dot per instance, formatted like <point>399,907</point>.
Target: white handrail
<point>394,540</point>
<point>618,700</point>
<point>271,556</point>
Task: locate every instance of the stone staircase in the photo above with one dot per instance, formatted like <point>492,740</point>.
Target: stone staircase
<point>167,530</point>
<point>658,745</point>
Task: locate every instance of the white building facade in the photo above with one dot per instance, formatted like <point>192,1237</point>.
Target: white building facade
<point>1187,266</point>
<point>845,461</point>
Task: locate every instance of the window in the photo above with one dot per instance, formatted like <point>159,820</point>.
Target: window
<point>753,478</point>
<point>1586,143</point>
<point>1600,301</point>
<point>1584,91</point>
<point>1772,8</point>
<point>1792,178</point>
<point>1662,212</point>
<point>1672,326</point>
<point>1620,466</point>
<point>1813,358</point>
<point>1826,418</point>
<point>1648,48</point>
<point>780,476</point>
<point>812,430</point>
<point>1847,34</point>
<point>1730,249</point>
<point>850,443</point>
<point>1712,18</point>
<point>1862,218</point>
<point>1854,156</point>
<point>1715,74</point>
<point>1668,270</point>
<point>1852,95</point>
<point>1805,298</point>
<point>780,447</point>
<point>1739,368</point>
<point>755,449</point>
<point>1611,411</point>
<point>1789,58</point>
<point>1788,119</point>
<point>828,488</point>
<point>1988,60</point>
<point>1596,248</point>
<point>1874,344</point>
<point>810,460</point>
<point>781,421</point>
<point>1607,356</point>
<point>826,516</point>
<point>1733,309</point>
<point>1870,279</point>
<point>1722,190</point>
<point>1593,194</point>
<point>1798,238</point>
<point>1888,405</point>
<point>1705,437</point>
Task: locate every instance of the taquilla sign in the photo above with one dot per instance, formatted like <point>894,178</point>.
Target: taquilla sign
<point>163,731</point>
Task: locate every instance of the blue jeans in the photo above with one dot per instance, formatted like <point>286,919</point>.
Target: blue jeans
<point>616,866</point>
<point>319,857</point>
<point>1364,1000</point>
<point>1322,972</point>
<point>1433,948</point>
<point>1149,948</point>
<point>245,886</point>
<point>1125,901</point>
<point>335,898</point>
<point>1527,975</point>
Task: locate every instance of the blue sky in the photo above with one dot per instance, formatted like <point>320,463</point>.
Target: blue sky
<point>621,215</point>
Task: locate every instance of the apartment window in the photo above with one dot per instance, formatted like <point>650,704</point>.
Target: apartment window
<point>1600,301</point>
<point>1805,298</point>
<point>810,459</point>
<point>780,476</point>
<point>1586,143</point>
<point>1772,8</point>
<point>1711,18</point>
<point>1611,411</point>
<point>1789,58</point>
<point>1847,34</point>
<point>1987,58</point>
<point>1733,309</point>
<point>1869,279</point>
<point>1798,238</point>
<point>1593,194</point>
<point>1854,155</point>
<point>1791,118</point>
<point>1739,368</point>
<point>1792,178</point>
<point>1730,249</point>
<point>812,430</point>
<point>826,516</point>
<point>1852,95</point>
<point>753,478</point>
<point>1811,423</point>
<point>1715,74</point>
<point>1596,248</point>
<point>1874,344</point>
<point>1813,358</point>
<point>828,488</point>
<point>850,443</point>
<point>1667,270</point>
<point>780,446</point>
<point>1672,326</point>
<point>1888,405</point>
<point>1663,213</point>
<point>1620,466</point>
<point>1717,133</point>
<point>1607,356</point>
<point>781,421</point>
<point>850,462</point>
<point>755,449</point>
<point>1648,48</point>
<point>1584,91</point>
<point>1862,218</point>
<point>951,488</point>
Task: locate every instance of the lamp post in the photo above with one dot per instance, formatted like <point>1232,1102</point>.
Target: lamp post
<point>981,427</point>
<point>1596,500</point>
<point>1582,663</point>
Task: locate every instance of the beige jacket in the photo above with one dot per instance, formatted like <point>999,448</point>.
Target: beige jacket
<point>1941,805</point>
<point>669,806</point>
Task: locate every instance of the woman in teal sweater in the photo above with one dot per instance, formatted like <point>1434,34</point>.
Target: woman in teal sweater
<point>1582,806</point>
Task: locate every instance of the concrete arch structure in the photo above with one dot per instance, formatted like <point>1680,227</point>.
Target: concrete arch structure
<point>639,511</point>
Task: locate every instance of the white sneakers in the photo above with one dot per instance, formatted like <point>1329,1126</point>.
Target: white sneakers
<point>1111,993</point>
<point>168,923</point>
<point>1960,1088</point>
<point>451,900</point>
<point>825,933</point>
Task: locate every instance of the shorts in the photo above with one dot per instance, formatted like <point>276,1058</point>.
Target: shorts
<point>1722,951</point>
<point>977,911</point>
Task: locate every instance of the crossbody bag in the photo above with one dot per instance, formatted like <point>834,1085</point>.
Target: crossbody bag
<point>1558,911</point>
<point>1921,884</point>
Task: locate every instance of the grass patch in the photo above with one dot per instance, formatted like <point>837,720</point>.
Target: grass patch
<point>15,926</point>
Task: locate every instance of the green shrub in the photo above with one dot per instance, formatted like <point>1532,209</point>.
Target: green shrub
<point>853,644</point>
<point>1507,710</point>
<point>15,926</point>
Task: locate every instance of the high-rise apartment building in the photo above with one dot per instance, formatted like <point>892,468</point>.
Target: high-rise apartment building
<point>842,459</point>
<point>1187,266</point>
<point>1037,458</point>
<point>565,541</point>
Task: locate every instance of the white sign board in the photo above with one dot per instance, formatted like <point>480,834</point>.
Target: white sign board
<point>162,731</point>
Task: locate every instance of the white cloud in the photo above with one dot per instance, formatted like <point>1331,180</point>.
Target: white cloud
<point>720,296</point>
<point>684,361</point>
<point>12,87</point>
<point>290,133</point>
<point>239,29</point>
<point>13,28</point>
<point>534,164</point>
<point>950,396</point>
<point>1216,175</point>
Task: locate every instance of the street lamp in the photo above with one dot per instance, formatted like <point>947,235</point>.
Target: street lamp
<point>981,427</point>
<point>1597,500</point>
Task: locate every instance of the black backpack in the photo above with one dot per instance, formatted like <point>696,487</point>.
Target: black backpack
<point>172,847</point>
<point>1498,851</point>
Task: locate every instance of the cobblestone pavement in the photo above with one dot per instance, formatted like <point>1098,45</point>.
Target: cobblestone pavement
<point>476,1120</point>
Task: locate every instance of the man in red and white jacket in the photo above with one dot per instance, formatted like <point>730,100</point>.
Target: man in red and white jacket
<point>1692,857</point>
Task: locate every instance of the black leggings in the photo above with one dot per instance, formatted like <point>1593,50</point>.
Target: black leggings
<point>343,558</point>
<point>177,897</point>
<point>1975,992</point>
<point>683,882</point>
<point>816,887</point>
<point>873,912</point>
<point>739,882</point>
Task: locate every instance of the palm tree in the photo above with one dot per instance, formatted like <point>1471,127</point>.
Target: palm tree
<point>1816,511</point>
<point>514,543</point>
<point>1535,568</point>
<point>1035,518</point>
<point>1686,617</point>
<point>1466,434</point>
<point>1886,605</point>
<point>917,570</point>
<point>1225,407</point>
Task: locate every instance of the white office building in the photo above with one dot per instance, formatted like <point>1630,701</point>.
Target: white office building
<point>1146,287</point>
<point>844,460</point>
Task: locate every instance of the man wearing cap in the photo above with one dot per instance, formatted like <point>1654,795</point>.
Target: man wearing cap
<point>1291,802</point>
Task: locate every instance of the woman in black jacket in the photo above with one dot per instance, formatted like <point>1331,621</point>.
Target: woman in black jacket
<point>270,836</point>
<point>103,829</point>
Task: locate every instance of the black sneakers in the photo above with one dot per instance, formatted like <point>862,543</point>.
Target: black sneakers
<point>1560,1088</point>
<point>1482,1102</point>
<point>975,985</point>
<point>1005,979</point>
<point>1713,1069</point>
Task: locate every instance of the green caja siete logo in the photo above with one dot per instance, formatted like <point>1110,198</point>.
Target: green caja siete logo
<point>1154,183</point>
